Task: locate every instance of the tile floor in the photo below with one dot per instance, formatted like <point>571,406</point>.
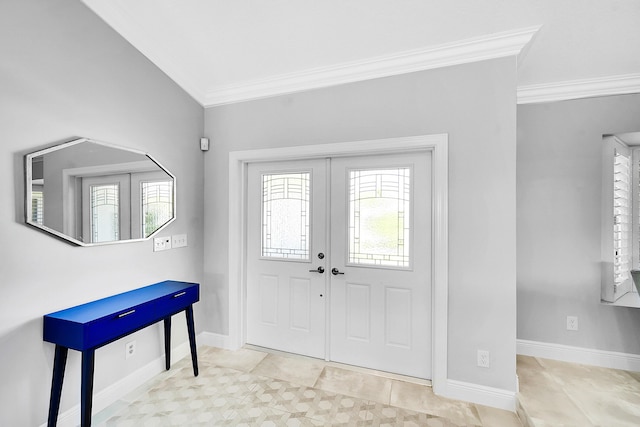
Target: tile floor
<point>554,393</point>
<point>250,387</point>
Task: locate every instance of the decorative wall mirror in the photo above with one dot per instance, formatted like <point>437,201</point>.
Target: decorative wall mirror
<point>93,193</point>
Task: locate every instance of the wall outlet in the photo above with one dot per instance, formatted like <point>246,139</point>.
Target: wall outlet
<point>483,359</point>
<point>572,323</point>
<point>179,240</point>
<point>161,243</point>
<point>129,349</point>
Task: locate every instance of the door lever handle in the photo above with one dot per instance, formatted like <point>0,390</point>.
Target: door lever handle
<point>335,271</point>
<point>317,270</point>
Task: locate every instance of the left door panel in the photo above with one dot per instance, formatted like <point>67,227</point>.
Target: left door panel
<point>286,217</point>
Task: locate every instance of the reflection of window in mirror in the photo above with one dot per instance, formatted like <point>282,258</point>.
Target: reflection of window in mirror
<point>620,218</point>
<point>37,188</point>
<point>37,204</point>
<point>151,202</point>
<point>106,201</point>
<point>104,212</point>
<point>103,200</point>
<point>157,205</point>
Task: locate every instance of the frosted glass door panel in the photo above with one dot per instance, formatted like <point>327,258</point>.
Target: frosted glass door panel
<point>379,217</point>
<point>285,215</point>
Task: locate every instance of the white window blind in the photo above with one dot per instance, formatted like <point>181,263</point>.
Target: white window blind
<point>621,218</point>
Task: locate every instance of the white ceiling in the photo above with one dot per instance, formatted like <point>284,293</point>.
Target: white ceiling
<point>209,46</point>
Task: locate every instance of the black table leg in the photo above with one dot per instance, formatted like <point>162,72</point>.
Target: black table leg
<point>59,363</point>
<point>167,342</point>
<point>192,339</point>
<point>86,396</point>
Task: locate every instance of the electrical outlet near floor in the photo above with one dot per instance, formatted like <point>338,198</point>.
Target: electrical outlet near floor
<point>483,359</point>
<point>129,349</point>
<point>572,323</point>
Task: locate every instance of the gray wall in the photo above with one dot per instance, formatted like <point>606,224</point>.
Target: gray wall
<point>476,105</point>
<point>64,73</point>
<point>559,164</point>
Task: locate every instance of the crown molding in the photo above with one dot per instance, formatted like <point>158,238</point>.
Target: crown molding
<point>577,89</point>
<point>475,49</point>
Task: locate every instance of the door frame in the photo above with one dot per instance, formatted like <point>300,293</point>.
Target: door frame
<point>437,144</point>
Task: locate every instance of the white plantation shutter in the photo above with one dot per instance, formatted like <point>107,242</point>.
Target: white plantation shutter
<point>621,218</point>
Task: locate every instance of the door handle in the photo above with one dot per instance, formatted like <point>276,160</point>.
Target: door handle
<point>317,270</point>
<point>335,271</point>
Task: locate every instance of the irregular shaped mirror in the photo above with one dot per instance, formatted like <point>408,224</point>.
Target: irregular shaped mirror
<point>91,193</point>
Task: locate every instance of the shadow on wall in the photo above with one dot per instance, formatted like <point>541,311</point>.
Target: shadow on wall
<point>26,382</point>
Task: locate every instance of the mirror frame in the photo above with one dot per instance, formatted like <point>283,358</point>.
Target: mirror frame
<point>28,188</point>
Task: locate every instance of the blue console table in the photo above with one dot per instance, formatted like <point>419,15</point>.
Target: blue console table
<point>89,326</point>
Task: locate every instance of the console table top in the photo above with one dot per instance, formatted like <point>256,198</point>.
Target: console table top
<point>85,313</point>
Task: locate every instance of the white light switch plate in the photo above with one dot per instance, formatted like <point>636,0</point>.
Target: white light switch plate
<point>179,241</point>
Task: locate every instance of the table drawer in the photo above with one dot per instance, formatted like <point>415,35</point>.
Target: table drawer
<point>178,300</point>
<point>107,329</point>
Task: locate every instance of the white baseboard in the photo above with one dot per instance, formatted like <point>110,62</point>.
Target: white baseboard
<point>584,356</point>
<point>481,395</point>
<point>212,339</point>
<point>114,392</point>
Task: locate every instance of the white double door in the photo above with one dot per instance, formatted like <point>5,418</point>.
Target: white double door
<point>339,260</point>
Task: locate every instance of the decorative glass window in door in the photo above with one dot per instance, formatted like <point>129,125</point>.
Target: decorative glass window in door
<point>157,205</point>
<point>379,217</point>
<point>105,211</point>
<point>285,215</point>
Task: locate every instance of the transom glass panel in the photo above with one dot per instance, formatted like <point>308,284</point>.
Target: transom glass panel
<point>379,217</point>
<point>285,215</point>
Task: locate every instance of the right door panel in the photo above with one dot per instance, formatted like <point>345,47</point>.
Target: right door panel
<point>380,315</point>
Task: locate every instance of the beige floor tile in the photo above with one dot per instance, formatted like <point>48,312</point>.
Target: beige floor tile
<point>243,359</point>
<point>251,388</point>
<point>560,392</point>
<point>356,384</point>
<point>497,417</point>
<point>543,398</point>
<point>553,405</point>
<point>387,415</point>
<point>296,370</point>
<point>265,416</point>
<point>619,408</point>
<point>422,399</point>
<point>307,402</point>
<point>527,362</point>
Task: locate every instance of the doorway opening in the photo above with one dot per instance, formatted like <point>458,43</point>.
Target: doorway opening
<point>436,145</point>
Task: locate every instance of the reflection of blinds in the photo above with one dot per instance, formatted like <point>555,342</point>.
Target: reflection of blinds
<point>37,207</point>
<point>621,218</point>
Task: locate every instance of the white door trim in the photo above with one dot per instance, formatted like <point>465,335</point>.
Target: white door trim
<point>437,144</point>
